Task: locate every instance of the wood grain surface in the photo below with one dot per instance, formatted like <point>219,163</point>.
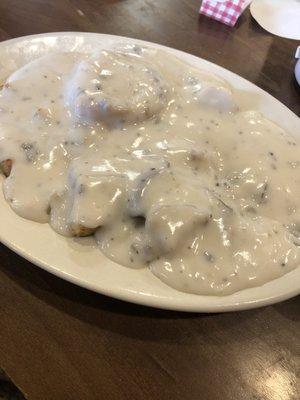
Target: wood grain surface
<point>61,342</point>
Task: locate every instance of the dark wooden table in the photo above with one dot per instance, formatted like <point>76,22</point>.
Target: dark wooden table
<point>60,342</point>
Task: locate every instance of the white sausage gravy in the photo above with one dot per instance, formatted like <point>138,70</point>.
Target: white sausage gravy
<point>158,161</point>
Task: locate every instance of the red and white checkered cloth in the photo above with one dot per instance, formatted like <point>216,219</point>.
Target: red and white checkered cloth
<point>226,11</point>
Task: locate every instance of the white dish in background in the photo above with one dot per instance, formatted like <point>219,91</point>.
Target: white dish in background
<point>297,66</point>
<point>279,17</point>
<point>79,260</point>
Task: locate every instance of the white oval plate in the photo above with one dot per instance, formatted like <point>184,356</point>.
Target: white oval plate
<point>78,260</point>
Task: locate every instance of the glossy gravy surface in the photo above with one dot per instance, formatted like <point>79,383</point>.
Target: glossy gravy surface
<point>158,161</point>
